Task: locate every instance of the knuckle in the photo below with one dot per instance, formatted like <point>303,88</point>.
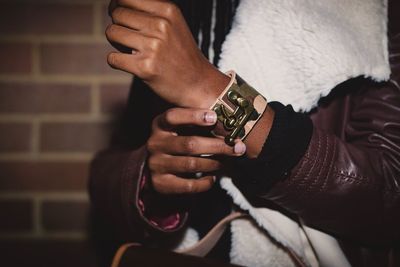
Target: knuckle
<point>190,164</point>
<point>161,183</point>
<point>170,115</point>
<point>154,45</point>
<point>154,123</point>
<point>151,145</point>
<point>196,117</point>
<point>190,144</point>
<point>210,183</point>
<point>109,30</point>
<point>221,146</point>
<point>117,12</point>
<point>170,10</point>
<point>190,187</point>
<point>112,59</point>
<point>148,68</point>
<point>152,164</point>
<point>162,25</point>
<point>156,181</point>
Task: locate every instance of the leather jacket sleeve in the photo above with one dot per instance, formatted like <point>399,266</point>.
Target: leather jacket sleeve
<point>348,183</point>
<point>113,187</point>
<point>116,176</point>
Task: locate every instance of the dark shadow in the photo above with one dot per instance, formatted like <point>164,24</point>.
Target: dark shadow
<point>130,129</point>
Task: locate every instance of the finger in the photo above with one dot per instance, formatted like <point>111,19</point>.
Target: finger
<point>178,164</point>
<point>134,19</point>
<point>122,61</point>
<point>165,9</point>
<point>171,184</point>
<point>197,145</point>
<point>131,63</point>
<point>175,117</point>
<point>126,37</point>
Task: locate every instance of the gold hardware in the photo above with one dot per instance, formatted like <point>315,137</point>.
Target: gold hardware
<point>236,120</point>
<point>238,108</point>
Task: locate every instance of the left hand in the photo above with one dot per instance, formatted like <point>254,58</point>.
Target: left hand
<point>164,52</point>
<point>171,155</point>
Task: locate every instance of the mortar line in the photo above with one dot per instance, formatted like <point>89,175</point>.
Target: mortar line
<point>35,59</point>
<point>77,196</point>
<point>62,118</point>
<point>36,217</point>
<point>97,19</point>
<point>46,157</point>
<point>64,38</point>
<point>79,2</point>
<point>95,100</point>
<point>65,78</point>
<point>35,138</point>
<point>62,235</point>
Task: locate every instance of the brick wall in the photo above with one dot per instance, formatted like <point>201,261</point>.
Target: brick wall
<point>57,98</point>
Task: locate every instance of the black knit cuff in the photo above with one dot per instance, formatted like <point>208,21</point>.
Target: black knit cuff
<point>287,142</point>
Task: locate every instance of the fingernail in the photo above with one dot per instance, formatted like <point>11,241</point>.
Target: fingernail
<point>239,148</point>
<point>210,117</point>
<point>214,178</point>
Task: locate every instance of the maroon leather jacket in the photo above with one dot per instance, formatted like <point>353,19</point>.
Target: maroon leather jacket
<point>347,183</point>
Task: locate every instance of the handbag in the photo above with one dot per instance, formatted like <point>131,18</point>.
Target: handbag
<point>134,254</point>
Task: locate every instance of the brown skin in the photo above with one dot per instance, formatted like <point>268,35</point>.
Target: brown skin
<point>165,54</point>
<point>171,155</point>
<point>166,57</point>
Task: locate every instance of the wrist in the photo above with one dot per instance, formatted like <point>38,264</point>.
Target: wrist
<point>211,84</point>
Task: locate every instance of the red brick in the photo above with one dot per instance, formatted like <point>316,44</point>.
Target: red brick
<point>113,98</point>
<point>16,58</point>
<point>16,215</point>
<point>65,216</point>
<point>43,176</point>
<point>39,253</point>
<point>50,18</point>
<point>79,59</point>
<point>15,137</point>
<point>74,137</point>
<point>44,98</point>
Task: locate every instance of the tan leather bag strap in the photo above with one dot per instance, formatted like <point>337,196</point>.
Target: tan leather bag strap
<point>206,244</point>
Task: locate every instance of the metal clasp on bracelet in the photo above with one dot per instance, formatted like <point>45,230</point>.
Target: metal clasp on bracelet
<point>235,121</point>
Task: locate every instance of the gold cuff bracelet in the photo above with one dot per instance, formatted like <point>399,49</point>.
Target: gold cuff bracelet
<point>238,108</point>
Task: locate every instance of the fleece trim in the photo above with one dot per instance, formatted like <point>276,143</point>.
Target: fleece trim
<point>295,52</point>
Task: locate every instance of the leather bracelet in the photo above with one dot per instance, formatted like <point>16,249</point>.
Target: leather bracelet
<point>238,108</point>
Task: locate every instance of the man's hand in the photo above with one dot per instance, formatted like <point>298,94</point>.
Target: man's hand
<point>164,52</point>
<point>172,155</point>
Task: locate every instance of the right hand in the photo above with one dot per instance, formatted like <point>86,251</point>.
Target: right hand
<point>163,52</point>
<point>171,155</point>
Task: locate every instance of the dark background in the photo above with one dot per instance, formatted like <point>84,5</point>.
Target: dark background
<point>58,98</point>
